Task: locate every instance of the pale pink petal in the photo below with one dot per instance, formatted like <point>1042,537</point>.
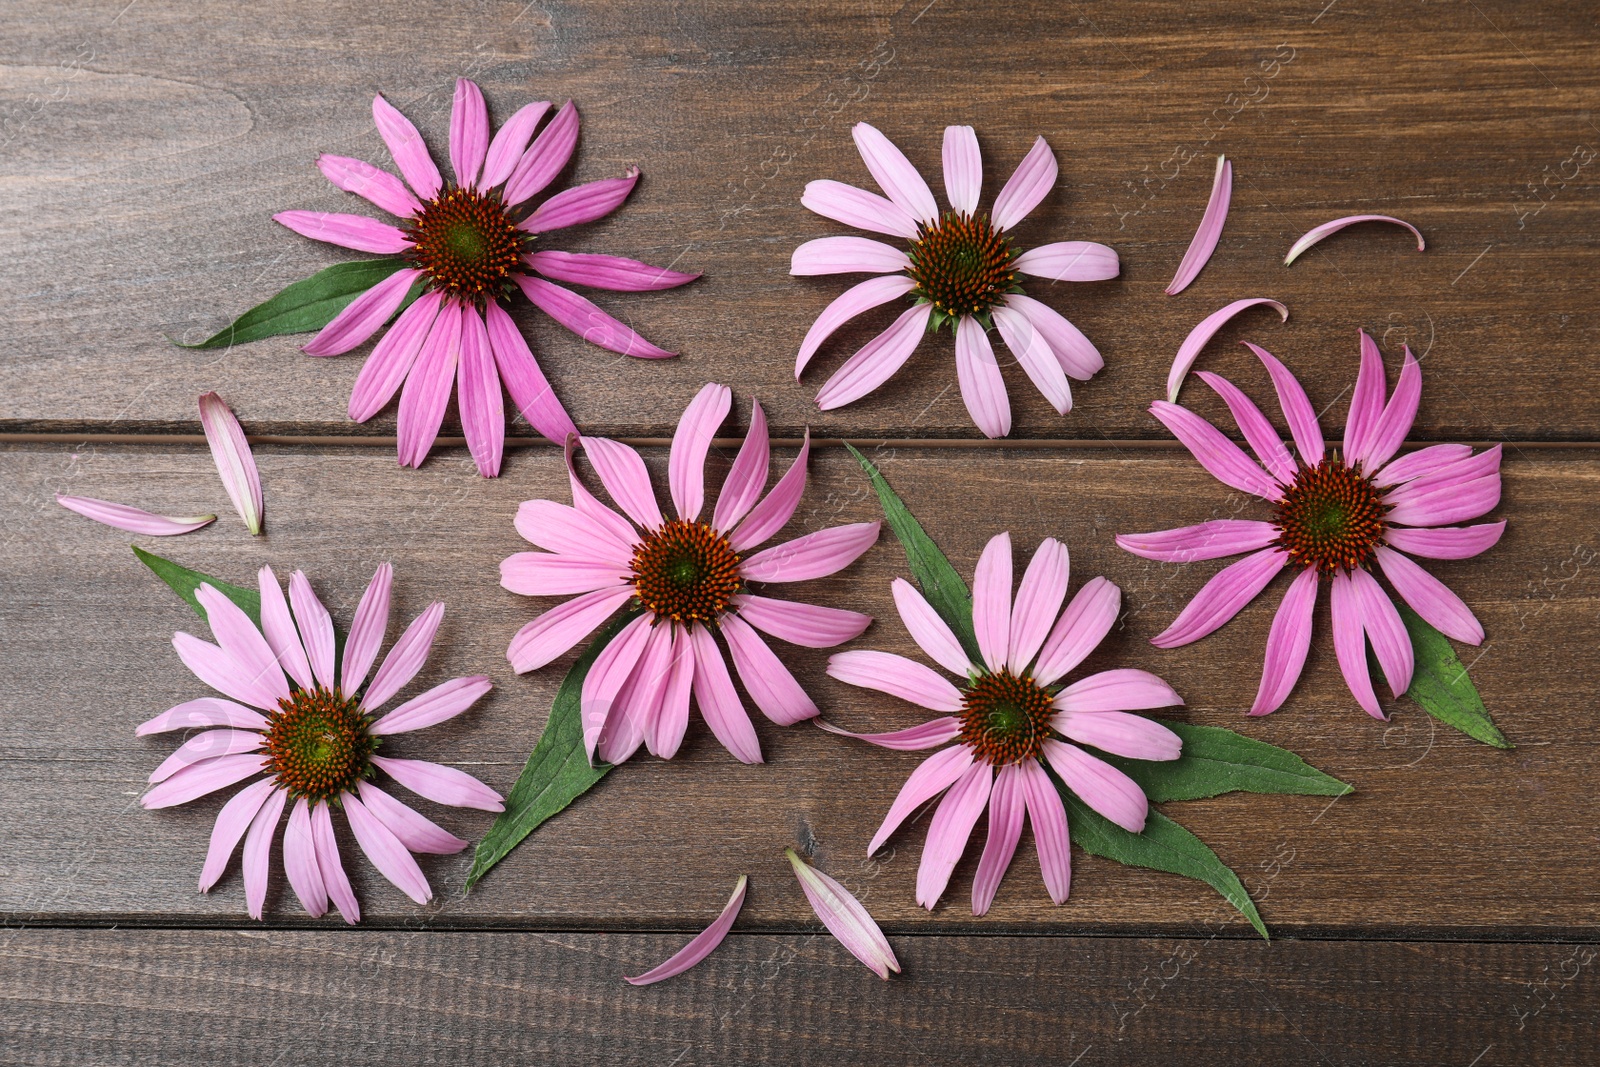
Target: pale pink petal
<point>1287,644</point>
<point>1297,409</point>
<point>242,642</point>
<point>894,173</point>
<point>1221,598</point>
<point>1398,415</point>
<point>1122,689</point>
<point>1203,332</point>
<point>1120,733</point>
<point>765,678</point>
<point>1446,542</point>
<point>949,831</point>
<point>469,133</point>
<point>859,208</point>
<point>206,711</point>
<point>1430,598</point>
<point>385,851</point>
<point>1366,402</point>
<point>581,316</point>
<point>1078,357</point>
<point>1038,359</point>
<point>982,388</point>
<point>221,672</point>
<point>208,744</point>
<point>638,702</point>
<point>443,701</point>
<point>930,632</point>
<point>1039,598</point>
<point>846,255</point>
<point>235,464</point>
<point>605,272</point>
<point>199,779</point>
<point>580,204</point>
<point>686,460</point>
<point>777,507</point>
<point>258,851</point>
<point>663,732</point>
<point>933,776</point>
<point>991,601</point>
<point>1049,818</point>
<point>529,389</point>
<point>610,672</point>
<point>376,186</point>
<point>877,360</point>
<point>1381,621</point>
<point>1079,631</point>
<point>1207,540</point>
<point>1070,261</point>
<point>442,785</point>
<point>509,143</point>
<point>719,703</point>
<point>316,629</point>
<point>414,830</point>
<point>1318,233</point>
<point>277,626</point>
<point>845,918</point>
<point>912,739</point>
<point>405,659</point>
<point>897,676</point>
<point>300,861</point>
<point>406,146</point>
<point>703,944</point>
<point>332,871</point>
<point>392,359</point>
<point>1205,237</point>
<point>1350,644</point>
<point>483,412</point>
<point>1100,785</point>
<point>620,529</point>
<point>1462,490</point>
<point>1264,440</point>
<point>816,555</point>
<point>1422,462</point>
<point>346,231</point>
<point>367,629</point>
<point>567,531</point>
<point>746,477</point>
<point>1030,183</point>
<point>1006,807</point>
<point>622,472</point>
<point>963,169</point>
<point>362,317</point>
<point>1225,460</point>
<point>807,625</point>
<point>554,633</point>
<point>426,393</point>
<point>545,158</point>
<point>232,821</point>
<point>131,519</point>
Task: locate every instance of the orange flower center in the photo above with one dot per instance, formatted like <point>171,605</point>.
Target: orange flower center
<point>962,264</point>
<point>1331,518</point>
<point>467,243</point>
<point>1004,718</point>
<point>686,572</point>
<point>317,744</point>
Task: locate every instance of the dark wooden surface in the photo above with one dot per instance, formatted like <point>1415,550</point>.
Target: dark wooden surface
<point>1445,913</point>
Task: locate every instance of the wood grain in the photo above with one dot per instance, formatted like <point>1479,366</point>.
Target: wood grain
<point>144,157</point>
<point>1443,837</point>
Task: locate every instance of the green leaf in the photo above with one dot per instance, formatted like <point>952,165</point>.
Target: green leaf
<point>947,593</point>
<point>308,304</point>
<point>184,582</point>
<point>1164,846</point>
<point>1217,761</point>
<point>1440,686</point>
<point>558,771</point>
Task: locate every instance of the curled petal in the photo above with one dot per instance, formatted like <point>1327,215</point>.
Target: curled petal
<point>584,318</point>
<point>131,519</point>
<point>1318,233</point>
<point>1207,540</point>
<point>877,360</point>
<point>1221,598</point>
<point>605,272</point>
<point>1207,328</point>
<point>845,918</point>
<point>703,945</point>
<point>1030,183</point>
<point>859,208</point>
<point>930,734</point>
<point>580,204</point>
<point>234,461</point>
<point>1205,238</point>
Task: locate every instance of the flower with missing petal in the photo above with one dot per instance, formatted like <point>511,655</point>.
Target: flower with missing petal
<point>308,726</point>
<point>1010,718</point>
<point>683,579</point>
<point>1339,515</point>
<point>960,268</point>
<point>470,244</point>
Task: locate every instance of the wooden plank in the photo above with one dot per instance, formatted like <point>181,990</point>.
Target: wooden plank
<point>229,997</point>
<point>144,158</point>
<point>1443,835</point>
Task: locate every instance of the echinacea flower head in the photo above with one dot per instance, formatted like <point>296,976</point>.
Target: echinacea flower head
<point>960,268</point>
<point>683,580</point>
<point>471,244</point>
<point>308,726</point>
<point>1341,517</point>
<point>1010,717</point>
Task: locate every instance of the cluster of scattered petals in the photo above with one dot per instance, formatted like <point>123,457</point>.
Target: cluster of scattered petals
<point>305,727</point>
<point>682,580</point>
<point>1340,515</point>
<point>1010,718</point>
<point>470,243</point>
<point>960,268</point>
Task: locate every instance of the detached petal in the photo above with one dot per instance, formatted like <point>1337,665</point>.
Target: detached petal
<point>703,945</point>
<point>234,461</point>
<point>1317,233</point>
<point>1206,329</point>
<point>845,918</point>
<point>1205,238</point>
<point>131,519</point>
<point>1030,183</point>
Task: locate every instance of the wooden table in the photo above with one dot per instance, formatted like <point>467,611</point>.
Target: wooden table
<point>1444,913</point>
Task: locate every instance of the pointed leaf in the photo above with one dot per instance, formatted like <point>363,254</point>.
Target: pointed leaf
<point>1217,761</point>
<point>1440,686</point>
<point>308,304</point>
<point>185,582</point>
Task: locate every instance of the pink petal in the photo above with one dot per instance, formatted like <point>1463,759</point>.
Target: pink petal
<point>585,502</point>
<point>610,672</point>
<point>1079,631</point>
<point>859,208</point>
<point>483,413</point>
<point>1383,625</point>
<point>554,633</point>
<point>405,659</point>
<point>719,704</point>
<point>622,472</point>
<point>1205,238</point>
<point>991,601</point>
<point>243,643</point>
<point>409,152</point>
<point>877,360</point>
<point>1206,329</point>
<point>808,625</point>
<point>580,204</point>
<point>1038,359</point>
<point>930,632</point>
<point>567,531</point>
<point>686,461</point>
<point>1070,261</point>
<point>208,744</point>
<point>258,851</point>
<point>1207,540</point>
<point>605,272</point>
<point>469,133</point>
<point>638,702</point>
<point>845,918</point>
<point>328,865</point>
<point>509,143</point>
<point>746,477</point>
<point>894,173</point>
<point>199,779</point>
<point>1123,689</point>
<point>426,393</point>
<point>123,517</point>
<point>346,231</point>
<point>362,317</point>
<point>1297,410</point>
<point>963,169</point>
<point>1078,357</point>
<point>415,831</point>
<point>1224,460</point>
<point>1100,785</point>
<point>1318,233</point>
<point>1458,491</point>
<point>703,944</point>
<point>912,739</point>
<point>442,785</point>
<point>371,622</point>
<point>933,776</point>
<point>1350,644</point>
<point>1366,402</point>
<point>234,462</point>
<point>1030,183</point>
<point>1422,462</point>
<point>232,821</point>
<point>1120,733</point>
<point>545,158</point>
<point>300,861</point>
<point>443,701</point>
<point>393,357</point>
<point>1006,808</point>
<point>316,629</point>
<point>765,678</point>
<point>1049,819</point>
<point>982,388</point>
<point>663,732</point>
<point>376,186</point>
<point>221,671</point>
<point>1264,440</point>
<point>777,507</point>
<point>1287,644</point>
<point>1039,598</point>
<point>524,381</point>
<point>1395,422</point>
<point>277,626</point>
<point>207,711</point>
<point>582,317</point>
<point>1446,542</point>
<point>949,831</point>
<point>1430,598</point>
<point>385,851</point>
<point>846,255</point>
<point>897,676</point>
<point>1220,599</point>
<point>815,555</point>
